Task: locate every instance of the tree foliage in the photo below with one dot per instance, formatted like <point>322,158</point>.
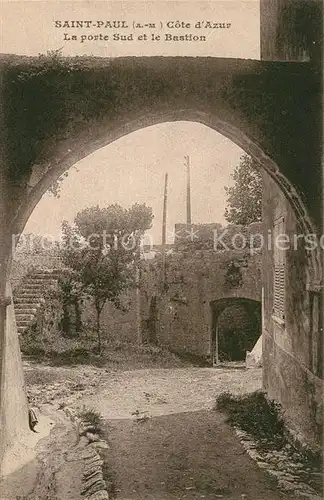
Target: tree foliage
<point>102,248</point>
<point>244,198</point>
<point>69,292</point>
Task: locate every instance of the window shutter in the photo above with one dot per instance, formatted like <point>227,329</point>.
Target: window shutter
<point>279,281</point>
<point>279,291</point>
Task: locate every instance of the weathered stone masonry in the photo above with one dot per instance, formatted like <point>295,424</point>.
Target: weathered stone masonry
<point>180,315</point>
<point>54,113</point>
<point>292,348</point>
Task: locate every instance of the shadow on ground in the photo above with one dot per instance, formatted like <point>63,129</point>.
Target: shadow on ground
<point>182,456</point>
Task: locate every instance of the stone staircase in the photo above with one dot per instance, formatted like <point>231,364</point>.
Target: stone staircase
<point>29,295</point>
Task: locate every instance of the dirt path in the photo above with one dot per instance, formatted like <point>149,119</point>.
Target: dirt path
<point>183,456</point>
<point>166,441</point>
<point>166,391</point>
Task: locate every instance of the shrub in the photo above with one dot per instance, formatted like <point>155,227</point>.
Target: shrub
<point>92,417</point>
<point>255,414</point>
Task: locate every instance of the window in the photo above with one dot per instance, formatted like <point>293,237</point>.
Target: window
<point>279,280</point>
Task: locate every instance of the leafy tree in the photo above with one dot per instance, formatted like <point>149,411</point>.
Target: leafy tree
<point>56,187</point>
<point>244,198</point>
<point>102,248</point>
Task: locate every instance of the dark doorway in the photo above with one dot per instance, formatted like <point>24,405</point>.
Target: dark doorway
<point>236,327</point>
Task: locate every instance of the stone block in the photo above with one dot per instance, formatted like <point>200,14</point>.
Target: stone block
<point>98,485</point>
<point>89,469</point>
<point>100,444</point>
<point>92,437</point>
<point>93,473</point>
<point>90,483</point>
<point>81,454</point>
<point>93,459</point>
<point>99,495</point>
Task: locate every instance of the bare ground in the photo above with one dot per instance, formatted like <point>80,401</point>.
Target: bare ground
<point>166,441</point>
<point>183,456</point>
<point>165,391</point>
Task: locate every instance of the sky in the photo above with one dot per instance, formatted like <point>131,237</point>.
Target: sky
<point>132,169</point>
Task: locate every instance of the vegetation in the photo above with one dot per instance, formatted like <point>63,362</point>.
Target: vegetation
<point>35,244</point>
<point>245,196</point>
<point>93,418</point>
<point>102,249</point>
<point>66,351</point>
<point>262,419</point>
<point>255,414</point>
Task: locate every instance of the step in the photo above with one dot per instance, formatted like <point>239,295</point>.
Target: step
<point>25,299</point>
<point>26,305</point>
<point>45,274</point>
<point>24,317</point>
<point>23,322</point>
<point>32,293</point>
<point>32,290</point>
<point>25,310</point>
<point>34,283</point>
<point>31,283</point>
<point>41,281</point>
<point>31,296</point>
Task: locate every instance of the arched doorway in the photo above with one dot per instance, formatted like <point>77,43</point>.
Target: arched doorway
<point>44,179</point>
<point>87,103</point>
<point>54,116</point>
<point>236,326</point>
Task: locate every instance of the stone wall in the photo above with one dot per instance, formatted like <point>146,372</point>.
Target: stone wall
<point>291,30</point>
<point>89,102</point>
<point>116,324</point>
<point>13,392</point>
<point>215,237</point>
<point>292,349</point>
<point>180,316</point>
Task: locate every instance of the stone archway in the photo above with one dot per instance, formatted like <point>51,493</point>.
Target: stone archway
<point>39,183</point>
<point>252,307</point>
<point>84,104</point>
<point>55,113</point>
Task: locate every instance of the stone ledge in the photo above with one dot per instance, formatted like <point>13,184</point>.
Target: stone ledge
<point>285,477</point>
<point>94,486</point>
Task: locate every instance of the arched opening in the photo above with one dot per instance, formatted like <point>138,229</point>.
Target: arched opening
<point>132,170</point>
<point>236,327</point>
<point>43,181</point>
<point>68,154</point>
<point>245,101</point>
<point>107,136</point>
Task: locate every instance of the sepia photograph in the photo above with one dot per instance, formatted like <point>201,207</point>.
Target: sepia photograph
<point>161,249</point>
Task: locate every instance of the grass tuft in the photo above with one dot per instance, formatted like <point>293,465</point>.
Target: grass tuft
<point>90,416</point>
<point>262,419</point>
<point>93,418</point>
<point>255,414</point>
